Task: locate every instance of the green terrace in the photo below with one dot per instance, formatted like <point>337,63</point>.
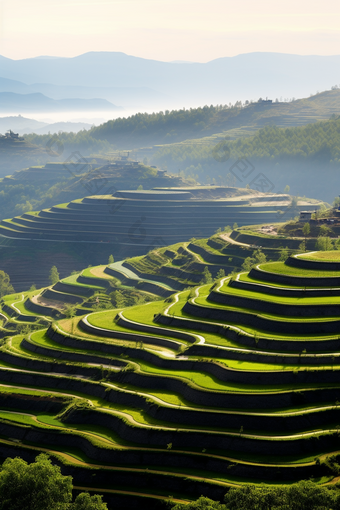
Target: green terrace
<point>204,385</point>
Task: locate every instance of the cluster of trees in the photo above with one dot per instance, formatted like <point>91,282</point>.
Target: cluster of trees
<point>5,284</point>
<point>41,486</point>
<point>166,126</point>
<point>207,276</point>
<point>323,242</point>
<point>82,141</point>
<point>157,127</point>
<point>258,257</point>
<point>319,141</point>
<point>327,244</point>
<point>284,154</point>
<point>304,495</point>
<point>16,199</point>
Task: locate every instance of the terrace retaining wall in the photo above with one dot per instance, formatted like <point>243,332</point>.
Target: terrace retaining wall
<point>262,323</point>
<point>272,307</point>
<point>73,289</point>
<point>63,298</point>
<point>163,458</point>
<point>49,366</point>
<point>140,284</point>
<point>284,291</point>
<point>296,281</point>
<point>316,265</point>
<point>128,336</point>
<point>211,258</point>
<point>43,310</point>
<point>182,438</point>
<point>158,278</point>
<point>71,356</point>
<point>249,340</point>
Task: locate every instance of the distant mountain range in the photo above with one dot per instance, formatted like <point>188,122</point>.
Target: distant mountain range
<point>126,80</point>
<point>12,102</point>
<point>23,125</point>
<point>130,97</point>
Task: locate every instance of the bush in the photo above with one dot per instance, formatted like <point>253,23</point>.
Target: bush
<point>40,486</point>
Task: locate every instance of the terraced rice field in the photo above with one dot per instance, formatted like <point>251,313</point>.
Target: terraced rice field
<point>214,387</point>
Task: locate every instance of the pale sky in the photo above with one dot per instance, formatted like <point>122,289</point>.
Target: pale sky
<point>195,30</point>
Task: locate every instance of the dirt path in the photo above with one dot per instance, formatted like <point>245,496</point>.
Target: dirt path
<point>227,238</point>
<point>99,272</point>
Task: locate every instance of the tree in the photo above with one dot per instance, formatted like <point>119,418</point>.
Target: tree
<point>306,229</point>
<point>111,259</point>
<point>302,246</point>
<point>70,311</point>
<point>304,495</point>
<point>220,274</point>
<point>258,257</point>
<point>235,226</point>
<point>306,232</point>
<point>36,486</point>
<point>324,230</point>
<point>324,244</point>
<point>41,486</point>
<point>336,202</point>
<point>248,263</point>
<point>5,285</point>
<point>294,203</point>
<point>54,275</point>
<point>287,189</point>
<point>86,502</point>
<point>284,254</point>
<point>207,278</point>
<point>201,504</point>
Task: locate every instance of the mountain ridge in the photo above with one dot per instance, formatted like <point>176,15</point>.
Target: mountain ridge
<point>245,76</point>
<point>13,102</point>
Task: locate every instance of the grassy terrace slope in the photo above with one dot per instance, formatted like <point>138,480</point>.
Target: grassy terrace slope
<point>136,219</point>
<point>129,223</point>
<point>214,386</point>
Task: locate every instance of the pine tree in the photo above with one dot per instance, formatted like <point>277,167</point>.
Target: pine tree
<point>54,275</point>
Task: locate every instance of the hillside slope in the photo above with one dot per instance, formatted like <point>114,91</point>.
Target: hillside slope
<point>131,223</point>
<point>45,185</point>
<point>221,385</point>
<point>146,129</point>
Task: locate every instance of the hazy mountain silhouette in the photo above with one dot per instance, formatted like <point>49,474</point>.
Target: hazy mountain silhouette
<point>127,96</point>
<point>247,76</point>
<point>20,124</point>
<point>37,102</point>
